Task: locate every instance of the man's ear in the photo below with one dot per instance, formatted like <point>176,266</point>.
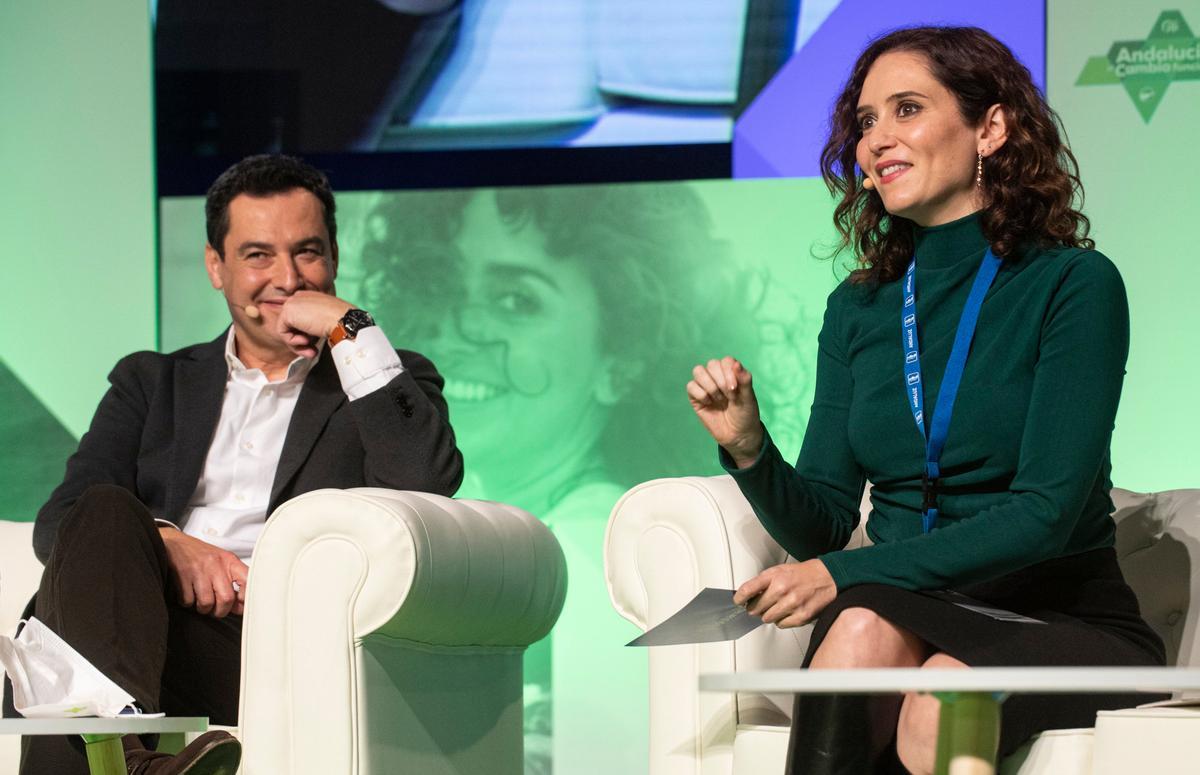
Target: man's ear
<point>993,131</point>
<point>213,263</point>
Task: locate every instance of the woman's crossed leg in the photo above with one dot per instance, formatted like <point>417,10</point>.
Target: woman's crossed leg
<point>861,638</point>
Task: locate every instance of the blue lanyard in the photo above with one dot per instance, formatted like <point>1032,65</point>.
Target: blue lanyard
<point>935,438</point>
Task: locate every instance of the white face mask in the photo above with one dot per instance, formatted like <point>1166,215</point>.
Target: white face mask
<point>52,680</point>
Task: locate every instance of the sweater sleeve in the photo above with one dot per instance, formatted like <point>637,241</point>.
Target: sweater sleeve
<point>1064,445</point>
<point>811,507</point>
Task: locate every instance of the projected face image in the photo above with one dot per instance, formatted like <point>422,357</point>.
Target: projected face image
<point>525,373</point>
<point>561,319</point>
<point>915,146</point>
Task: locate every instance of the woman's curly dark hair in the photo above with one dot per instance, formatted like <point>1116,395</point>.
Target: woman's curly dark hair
<point>1030,183</point>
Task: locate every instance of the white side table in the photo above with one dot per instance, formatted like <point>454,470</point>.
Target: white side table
<point>102,736</point>
<point>969,730</point>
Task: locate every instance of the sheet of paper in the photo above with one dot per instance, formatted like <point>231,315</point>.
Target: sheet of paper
<point>711,616</point>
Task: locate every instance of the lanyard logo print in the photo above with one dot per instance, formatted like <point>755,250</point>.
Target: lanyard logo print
<point>935,437</point>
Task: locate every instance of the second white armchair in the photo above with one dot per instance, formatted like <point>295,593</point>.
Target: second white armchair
<point>384,633</point>
<point>669,538</point>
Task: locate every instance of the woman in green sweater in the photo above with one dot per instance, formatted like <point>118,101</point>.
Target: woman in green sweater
<point>974,270</point>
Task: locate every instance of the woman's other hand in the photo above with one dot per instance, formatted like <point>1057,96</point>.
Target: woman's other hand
<point>722,394</point>
<point>789,595</point>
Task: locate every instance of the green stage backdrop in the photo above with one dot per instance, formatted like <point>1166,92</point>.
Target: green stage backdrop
<point>77,215</point>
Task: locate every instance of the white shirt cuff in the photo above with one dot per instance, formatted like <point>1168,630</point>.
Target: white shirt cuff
<point>366,363</point>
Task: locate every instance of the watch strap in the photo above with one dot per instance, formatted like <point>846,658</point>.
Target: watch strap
<point>349,325</point>
<point>337,335</point>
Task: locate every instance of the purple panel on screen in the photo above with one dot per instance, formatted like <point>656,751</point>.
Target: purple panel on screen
<point>781,133</point>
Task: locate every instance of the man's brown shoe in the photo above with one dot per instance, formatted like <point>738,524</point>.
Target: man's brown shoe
<point>212,753</point>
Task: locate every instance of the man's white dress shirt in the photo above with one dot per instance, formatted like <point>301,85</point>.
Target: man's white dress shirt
<point>229,506</point>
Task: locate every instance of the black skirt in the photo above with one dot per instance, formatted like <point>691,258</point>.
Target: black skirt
<point>1091,619</point>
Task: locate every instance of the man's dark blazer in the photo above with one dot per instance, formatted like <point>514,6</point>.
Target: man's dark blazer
<point>153,428</point>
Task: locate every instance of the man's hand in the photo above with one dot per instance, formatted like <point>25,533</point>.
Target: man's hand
<point>205,574</point>
<point>790,595</point>
<point>722,395</point>
<point>306,317</point>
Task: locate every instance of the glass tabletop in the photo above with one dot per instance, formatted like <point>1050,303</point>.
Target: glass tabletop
<point>1043,680</point>
<point>123,725</point>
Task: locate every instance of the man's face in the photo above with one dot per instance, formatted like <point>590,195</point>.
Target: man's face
<point>276,245</point>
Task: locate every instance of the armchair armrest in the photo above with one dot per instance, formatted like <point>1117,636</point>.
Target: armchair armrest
<point>667,539</point>
<point>384,632</point>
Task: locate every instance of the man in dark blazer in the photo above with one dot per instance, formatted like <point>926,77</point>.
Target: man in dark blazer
<point>146,541</point>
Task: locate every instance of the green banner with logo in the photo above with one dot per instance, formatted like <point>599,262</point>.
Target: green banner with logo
<point>1125,79</point>
<point>1146,67</point>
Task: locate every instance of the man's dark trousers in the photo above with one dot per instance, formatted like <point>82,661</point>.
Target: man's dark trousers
<point>108,591</point>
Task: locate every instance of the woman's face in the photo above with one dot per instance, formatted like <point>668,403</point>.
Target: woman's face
<point>915,146</point>
<point>525,375</point>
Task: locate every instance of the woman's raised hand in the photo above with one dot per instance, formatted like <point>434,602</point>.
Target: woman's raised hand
<point>722,395</point>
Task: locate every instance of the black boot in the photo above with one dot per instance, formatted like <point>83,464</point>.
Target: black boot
<point>831,735</point>
<point>889,762</point>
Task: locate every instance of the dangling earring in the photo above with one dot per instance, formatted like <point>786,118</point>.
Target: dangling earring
<point>979,171</point>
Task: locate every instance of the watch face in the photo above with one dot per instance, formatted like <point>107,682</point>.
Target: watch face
<point>356,320</point>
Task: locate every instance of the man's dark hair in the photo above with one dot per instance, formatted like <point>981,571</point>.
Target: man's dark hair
<point>264,175</point>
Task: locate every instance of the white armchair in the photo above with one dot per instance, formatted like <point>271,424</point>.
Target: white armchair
<point>383,632</point>
<point>669,538</point>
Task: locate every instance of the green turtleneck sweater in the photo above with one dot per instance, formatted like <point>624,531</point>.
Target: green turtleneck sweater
<point>1025,470</point>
